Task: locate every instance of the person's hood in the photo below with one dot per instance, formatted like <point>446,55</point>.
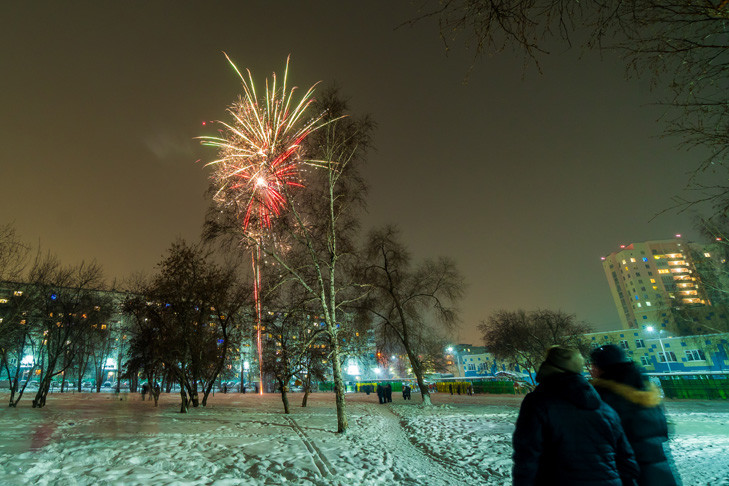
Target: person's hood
<point>650,397</point>
<point>572,387</point>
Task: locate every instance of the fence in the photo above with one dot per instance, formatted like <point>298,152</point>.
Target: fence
<point>698,387</point>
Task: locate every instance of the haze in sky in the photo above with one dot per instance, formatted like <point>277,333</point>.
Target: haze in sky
<point>525,179</point>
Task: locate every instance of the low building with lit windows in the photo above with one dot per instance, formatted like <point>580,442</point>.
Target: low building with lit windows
<point>659,351</point>
<point>468,361</point>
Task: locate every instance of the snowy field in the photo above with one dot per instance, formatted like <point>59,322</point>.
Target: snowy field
<point>90,439</point>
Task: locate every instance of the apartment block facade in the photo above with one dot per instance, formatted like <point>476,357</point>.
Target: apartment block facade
<point>655,284</point>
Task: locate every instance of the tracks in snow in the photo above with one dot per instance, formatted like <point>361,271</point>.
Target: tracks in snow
<point>396,445</point>
<point>322,463</point>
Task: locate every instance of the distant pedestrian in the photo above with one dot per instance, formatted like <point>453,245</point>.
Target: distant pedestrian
<point>388,393</point>
<point>623,386</point>
<point>145,388</point>
<point>225,388</point>
<point>450,387</point>
<point>565,434</point>
<point>381,393</point>
<point>157,390</point>
<point>406,392</point>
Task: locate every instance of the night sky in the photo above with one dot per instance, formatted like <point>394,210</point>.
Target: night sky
<point>526,180</point>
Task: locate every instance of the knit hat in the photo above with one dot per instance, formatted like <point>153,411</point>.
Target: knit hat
<point>608,355</point>
<point>564,359</point>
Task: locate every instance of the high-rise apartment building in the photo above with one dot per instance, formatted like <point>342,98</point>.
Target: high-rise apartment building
<point>652,280</point>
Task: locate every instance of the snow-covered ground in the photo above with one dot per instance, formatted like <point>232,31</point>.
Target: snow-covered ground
<point>90,439</point>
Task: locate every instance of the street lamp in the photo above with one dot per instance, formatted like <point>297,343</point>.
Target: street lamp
<point>663,350</point>
<point>454,354</point>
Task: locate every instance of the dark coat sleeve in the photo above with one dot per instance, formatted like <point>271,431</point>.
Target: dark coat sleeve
<point>527,443</point>
<point>624,456</point>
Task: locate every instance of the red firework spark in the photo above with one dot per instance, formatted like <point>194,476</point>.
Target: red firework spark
<point>260,150</point>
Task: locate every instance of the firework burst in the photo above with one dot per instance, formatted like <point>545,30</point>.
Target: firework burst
<point>259,152</point>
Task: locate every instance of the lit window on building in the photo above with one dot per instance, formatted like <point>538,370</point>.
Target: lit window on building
<point>695,355</point>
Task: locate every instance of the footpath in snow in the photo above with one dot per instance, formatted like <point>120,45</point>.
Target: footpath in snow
<point>90,439</point>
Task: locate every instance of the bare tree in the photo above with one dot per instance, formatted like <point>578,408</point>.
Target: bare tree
<point>292,335</point>
<point>714,269</point>
<point>404,302</point>
<point>680,45</point>
<point>18,337</point>
<point>14,254</point>
<point>523,338</point>
<point>69,302</point>
<point>185,319</point>
<point>14,336</point>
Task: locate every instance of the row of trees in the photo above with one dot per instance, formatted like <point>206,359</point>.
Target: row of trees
<point>184,323</point>
<point>57,315</point>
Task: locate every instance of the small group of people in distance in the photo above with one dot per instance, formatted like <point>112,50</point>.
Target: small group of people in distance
<point>608,433</point>
<point>384,393</point>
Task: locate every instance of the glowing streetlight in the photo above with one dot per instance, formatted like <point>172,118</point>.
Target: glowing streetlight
<point>663,350</point>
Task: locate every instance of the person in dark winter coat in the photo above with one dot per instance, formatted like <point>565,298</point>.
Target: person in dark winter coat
<point>565,435</point>
<point>381,393</point>
<point>623,386</point>
<point>388,393</point>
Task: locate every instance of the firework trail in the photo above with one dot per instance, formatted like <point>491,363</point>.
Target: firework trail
<point>259,157</point>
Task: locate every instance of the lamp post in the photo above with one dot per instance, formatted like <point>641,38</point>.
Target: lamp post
<point>663,350</point>
<point>454,354</point>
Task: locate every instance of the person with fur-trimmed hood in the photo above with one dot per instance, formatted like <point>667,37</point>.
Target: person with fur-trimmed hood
<point>623,386</point>
<point>565,434</point>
